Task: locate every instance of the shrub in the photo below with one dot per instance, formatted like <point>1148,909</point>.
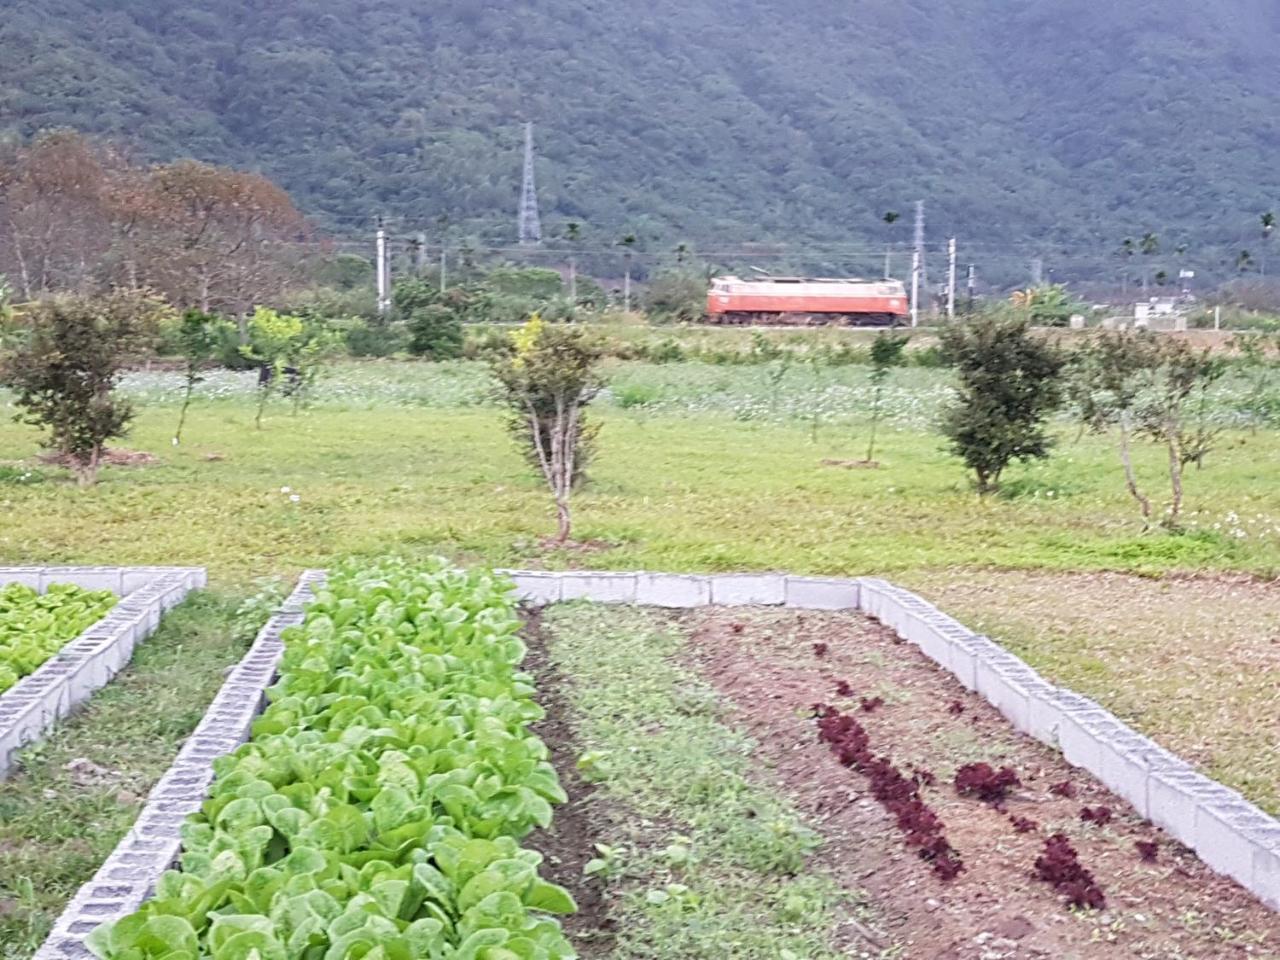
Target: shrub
<point>1010,382</point>
<point>886,353</point>
<point>676,298</point>
<point>547,383</point>
<point>64,363</point>
<point>197,338</point>
<point>434,322</point>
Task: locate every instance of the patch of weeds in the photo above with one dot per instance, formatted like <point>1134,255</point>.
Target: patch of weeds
<point>78,791</point>
<point>20,476</point>
<point>709,861</point>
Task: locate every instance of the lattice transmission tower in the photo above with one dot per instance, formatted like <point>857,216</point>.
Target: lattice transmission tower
<point>530,222</point>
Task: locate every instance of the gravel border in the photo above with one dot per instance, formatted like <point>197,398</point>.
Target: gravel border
<point>32,706</point>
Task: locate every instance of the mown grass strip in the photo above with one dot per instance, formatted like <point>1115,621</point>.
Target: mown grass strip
<point>704,858</point>
<point>78,791</point>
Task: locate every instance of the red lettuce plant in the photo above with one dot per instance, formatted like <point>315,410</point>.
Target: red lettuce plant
<point>1148,850</point>
<point>871,704</point>
<point>989,785</point>
<point>1060,866</point>
<point>1099,816</point>
<point>900,796</point>
<point>1064,789</point>
<point>1023,824</point>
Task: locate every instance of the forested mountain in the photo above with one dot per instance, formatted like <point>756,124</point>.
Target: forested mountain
<point>1065,122</point>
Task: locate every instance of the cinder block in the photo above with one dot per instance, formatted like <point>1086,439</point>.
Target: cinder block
<point>871,596</point>
<point>1172,799</point>
<point>599,587</point>
<point>90,578</point>
<point>1011,687</point>
<point>1127,760</point>
<point>964,654</point>
<point>27,576</point>
<point>736,590</point>
<point>821,593</point>
<point>675,591</point>
<point>1224,835</point>
<point>1080,734</point>
<point>1265,883</point>
<point>537,589</point>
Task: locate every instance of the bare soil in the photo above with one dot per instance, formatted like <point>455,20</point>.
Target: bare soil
<point>569,843</point>
<point>114,457</point>
<point>763,664</point>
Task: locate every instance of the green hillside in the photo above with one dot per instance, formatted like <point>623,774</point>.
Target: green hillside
<point>1065,124</point>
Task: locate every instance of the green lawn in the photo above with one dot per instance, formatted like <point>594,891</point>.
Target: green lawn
<point>672,489</point>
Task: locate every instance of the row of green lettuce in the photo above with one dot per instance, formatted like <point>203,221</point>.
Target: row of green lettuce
<point>378,808</point>
<point>34,626</point>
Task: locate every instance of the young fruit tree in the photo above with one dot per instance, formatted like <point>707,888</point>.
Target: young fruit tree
<point>886,353</point>
<point>1009,384</point>
<point>63,364</point>
<point>199,338</point>
<point>289,352</point>
<point>1144,385</point>
<point>547,381</point>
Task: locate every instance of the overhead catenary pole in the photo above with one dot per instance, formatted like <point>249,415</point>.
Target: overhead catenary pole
<point>383,273</point>
<point>573,281</point>
<point>444,256</point>
<point>972,283</point>
<point>888,263</point>
<point>420,253</point>
<point>1037,272</point>
<point>951,279</point>
<point>915,289</point>
<point>919,245</point>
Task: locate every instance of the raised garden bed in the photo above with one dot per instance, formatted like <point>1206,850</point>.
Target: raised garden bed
<point>1017,821</point>
<point>86,662</point>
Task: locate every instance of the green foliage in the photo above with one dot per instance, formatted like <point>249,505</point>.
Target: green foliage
<point>379,803</point>
<point>63,366</point>
<point>676,298</point>
<point>1047,306</point>
<point>199,338</point>
<point>1009,384</point>
<point>35,626</point>
<point>547,382</point>
<point>290,352</point>
<point>433,321</point>
<point>1030,145</point>
<point>886,353</point>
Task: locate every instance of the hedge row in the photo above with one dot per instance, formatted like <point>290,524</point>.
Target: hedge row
<point>377,810</point>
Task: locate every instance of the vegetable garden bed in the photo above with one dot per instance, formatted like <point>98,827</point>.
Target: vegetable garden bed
<point>973,841</point>
<point>57,648</point>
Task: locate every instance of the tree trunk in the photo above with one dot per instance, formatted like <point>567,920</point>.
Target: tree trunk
<point>1175,473</point>
<point>564,521</point>
<point>1130,479</point>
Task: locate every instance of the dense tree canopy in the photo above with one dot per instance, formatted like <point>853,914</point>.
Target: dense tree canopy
<point>1065,123</point>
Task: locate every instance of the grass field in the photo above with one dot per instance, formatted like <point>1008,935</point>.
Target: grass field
<point>707,468</point>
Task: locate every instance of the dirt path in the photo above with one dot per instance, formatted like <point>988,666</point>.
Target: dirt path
<point>764,664</point>
<point>569,844</point>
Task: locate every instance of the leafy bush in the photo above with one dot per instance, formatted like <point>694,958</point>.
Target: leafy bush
<point>377,809</point>
<point>676,298</point>
<point>63,365</point>
<point>1010,382</point>
<point>35,626</point>
<point>434,321</point>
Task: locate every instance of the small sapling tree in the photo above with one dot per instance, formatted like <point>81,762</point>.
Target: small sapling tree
<point>63,366</point>
<point>547,381</point>
<point>435,328</point>
<point>1147,386</point>
<point>273,340</point>
<point>1009,384</point>
<point>886,353</point>
<point>200,337</point>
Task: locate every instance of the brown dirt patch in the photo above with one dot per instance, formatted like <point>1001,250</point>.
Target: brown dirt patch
<point>763,664</point>
<point>570,841</point>
<point>110,458</point>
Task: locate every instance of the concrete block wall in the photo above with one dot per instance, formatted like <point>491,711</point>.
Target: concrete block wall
<point>1231,835</point>
<point>129,876</point>
<point>89,662</point>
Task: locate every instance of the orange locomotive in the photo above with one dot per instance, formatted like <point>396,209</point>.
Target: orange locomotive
<point>799,301</point>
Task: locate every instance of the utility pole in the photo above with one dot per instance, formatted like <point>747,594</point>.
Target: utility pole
<point>972,283</point>
<point>573,280</point>
<point>888,262</point>
<point>919,263</point>
<point>420,253</point>
<point>530,222</point>
<point>915,289</point>
<point>443,259</point>
<point>384,274</point>
<point>951,279</point>
<point>1037,272</point>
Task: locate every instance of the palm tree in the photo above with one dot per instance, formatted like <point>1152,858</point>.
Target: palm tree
<point>1127,250</point>
<point>682,251</point>
<point>627,242</point>
<point>1244,260</point>
<point>572,233</point>
<point>1268,225</point>
<point>890,219</point>
<point>1149,245</point>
